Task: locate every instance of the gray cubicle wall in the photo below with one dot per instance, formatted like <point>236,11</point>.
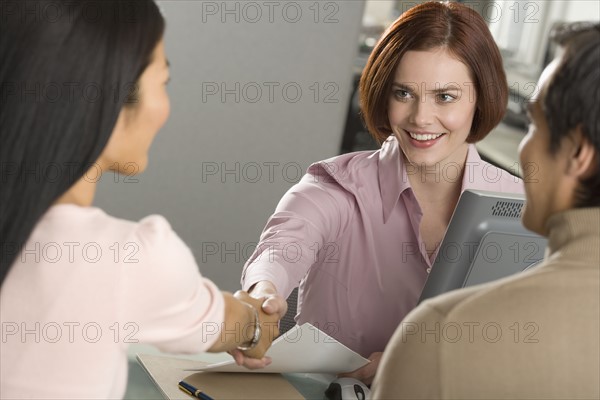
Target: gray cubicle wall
<point>240,133</point>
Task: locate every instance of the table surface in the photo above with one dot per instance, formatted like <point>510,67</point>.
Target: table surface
<point>166,371</point>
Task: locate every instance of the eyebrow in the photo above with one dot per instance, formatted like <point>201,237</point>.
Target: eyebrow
<point>439,90</point>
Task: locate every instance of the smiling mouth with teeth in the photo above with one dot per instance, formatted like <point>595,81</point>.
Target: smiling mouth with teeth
<point>423,138</point>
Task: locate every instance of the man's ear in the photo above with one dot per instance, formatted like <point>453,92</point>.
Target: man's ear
<point>582,155</point>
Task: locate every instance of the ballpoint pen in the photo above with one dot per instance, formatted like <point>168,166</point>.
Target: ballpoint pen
<point>192,391</point>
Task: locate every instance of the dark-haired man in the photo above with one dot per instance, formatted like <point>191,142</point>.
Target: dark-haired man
<point>536,334</point>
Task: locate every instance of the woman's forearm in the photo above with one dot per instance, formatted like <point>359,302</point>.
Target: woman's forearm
<point>263,287</point>
<point>238,325</point>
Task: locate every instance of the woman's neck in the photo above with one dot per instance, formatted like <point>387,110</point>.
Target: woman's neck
<point>81,193</point>
<point>440,182</point>
<point>441,194</point>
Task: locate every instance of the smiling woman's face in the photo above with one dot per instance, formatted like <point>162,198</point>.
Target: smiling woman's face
<point>431,107</point>
<point>138,123</point>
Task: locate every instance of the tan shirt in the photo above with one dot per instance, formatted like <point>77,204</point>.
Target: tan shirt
<point>530,336</point>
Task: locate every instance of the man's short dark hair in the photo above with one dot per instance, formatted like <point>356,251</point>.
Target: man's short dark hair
<point>573,97</point>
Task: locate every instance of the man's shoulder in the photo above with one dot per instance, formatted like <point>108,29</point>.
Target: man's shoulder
<point>497,297</point>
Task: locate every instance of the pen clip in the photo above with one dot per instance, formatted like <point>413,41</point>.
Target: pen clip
<point>185,389</point>
<point>192,391</point>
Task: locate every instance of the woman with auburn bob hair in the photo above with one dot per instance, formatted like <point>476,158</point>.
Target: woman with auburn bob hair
<point>69,315</point>
<point>365,227</point>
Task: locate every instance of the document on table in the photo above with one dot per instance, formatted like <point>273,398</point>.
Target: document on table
<point>301,349</point>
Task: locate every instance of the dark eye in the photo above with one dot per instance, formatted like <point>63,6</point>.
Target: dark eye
<point>401,94</point>
<point>446,98</point>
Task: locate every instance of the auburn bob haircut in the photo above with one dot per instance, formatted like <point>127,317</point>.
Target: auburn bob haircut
<point>461,31</point>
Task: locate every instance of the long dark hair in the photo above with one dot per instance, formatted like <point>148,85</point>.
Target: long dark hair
<point>66,70</point>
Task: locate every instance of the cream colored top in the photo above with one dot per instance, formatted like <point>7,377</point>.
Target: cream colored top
<point>530,336</point>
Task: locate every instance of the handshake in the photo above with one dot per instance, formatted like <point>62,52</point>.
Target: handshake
<point>268,308</point>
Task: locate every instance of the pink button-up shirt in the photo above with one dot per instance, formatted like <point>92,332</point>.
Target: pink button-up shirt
<point>348,234</point>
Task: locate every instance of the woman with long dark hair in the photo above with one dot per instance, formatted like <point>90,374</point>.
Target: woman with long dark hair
<point>84,92</point>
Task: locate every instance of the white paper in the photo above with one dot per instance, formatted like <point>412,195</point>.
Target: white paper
<point>302,349</point>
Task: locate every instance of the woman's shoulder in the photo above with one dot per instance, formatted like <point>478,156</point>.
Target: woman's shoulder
<point>152,233</point>
<point>72,215</point>
<point>346,170</point>
<point>150,242</point>
<point>329,191</point>
<point>92,223</point>
<point>482,175</point>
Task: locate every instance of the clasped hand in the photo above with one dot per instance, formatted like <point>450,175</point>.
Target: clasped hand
<point>271,307</point>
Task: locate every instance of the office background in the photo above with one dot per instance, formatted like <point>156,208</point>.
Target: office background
<point>259,91</point>
<point>257,94</point>
<point>229,151</point>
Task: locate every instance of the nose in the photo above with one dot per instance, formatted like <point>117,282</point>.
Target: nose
<point>422,113</point>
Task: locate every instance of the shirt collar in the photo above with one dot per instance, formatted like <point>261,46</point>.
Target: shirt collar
<point>575,233</point>
<point>393,178</point>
